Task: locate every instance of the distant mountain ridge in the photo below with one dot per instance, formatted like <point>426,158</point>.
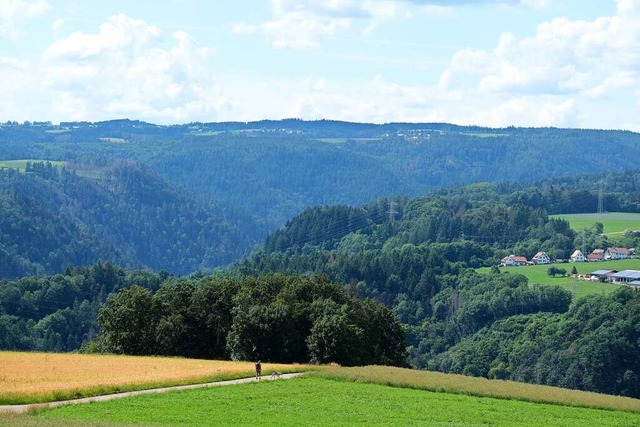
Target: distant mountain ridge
<point>261,174</point>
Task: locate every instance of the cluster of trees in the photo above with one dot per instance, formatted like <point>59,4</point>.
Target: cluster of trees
<point>51,217</point>
<point>274,318</point>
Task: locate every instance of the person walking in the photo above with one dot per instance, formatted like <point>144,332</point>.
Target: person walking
<point>258,370</point>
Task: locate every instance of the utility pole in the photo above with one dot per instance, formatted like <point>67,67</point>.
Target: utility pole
<point>600,198</point>
<point>392,211</point>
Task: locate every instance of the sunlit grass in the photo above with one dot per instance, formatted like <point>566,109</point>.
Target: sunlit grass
<point>613,222</point>
<point>460,384</point>
<point>44,377</point>
<point>315,401</point>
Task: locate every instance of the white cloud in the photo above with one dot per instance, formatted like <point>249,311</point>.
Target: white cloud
<point>550,77</point>
<point>300,24</point>
<point>14,12</point>
<point>124,70</point>
<point>537,4</point>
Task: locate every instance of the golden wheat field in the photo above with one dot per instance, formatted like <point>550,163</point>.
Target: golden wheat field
<point>37,377</point>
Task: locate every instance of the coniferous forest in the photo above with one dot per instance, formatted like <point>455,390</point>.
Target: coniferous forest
<point>319,242</point>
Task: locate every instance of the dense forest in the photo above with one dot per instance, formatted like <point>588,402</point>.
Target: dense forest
<point>51,218</point>
<point>273,170</point>
<point>59,312</point>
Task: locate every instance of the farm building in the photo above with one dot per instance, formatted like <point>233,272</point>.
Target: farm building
<point>577,256</point>
<point>513,261</point>
<point>541,258</point>
<point>596,255</point>
<point>625,276</point>
<point>618,253</point>
<point>602,274</point>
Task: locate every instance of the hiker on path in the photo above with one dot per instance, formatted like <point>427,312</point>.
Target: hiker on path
<point>258,370</point>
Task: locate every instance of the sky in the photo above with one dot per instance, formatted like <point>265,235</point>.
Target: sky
<point>497,63</point>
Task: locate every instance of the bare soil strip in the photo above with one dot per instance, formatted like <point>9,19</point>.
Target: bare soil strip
<point>20,409</point>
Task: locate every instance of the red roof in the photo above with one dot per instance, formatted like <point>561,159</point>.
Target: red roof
<point>621,251</point>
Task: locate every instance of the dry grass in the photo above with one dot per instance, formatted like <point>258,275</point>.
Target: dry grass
<point>460,384</point>
<point>41,377</point>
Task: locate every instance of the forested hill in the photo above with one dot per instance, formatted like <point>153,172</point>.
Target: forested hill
<point>273,170</point>
<point>416,255</point>
<point>51,218</point>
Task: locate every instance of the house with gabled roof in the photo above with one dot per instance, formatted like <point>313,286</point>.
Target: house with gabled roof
<point>596,255</point>
<point>541,258</point>
<point>513,261</point>
<point>617,253</point>
<point>577,256</point>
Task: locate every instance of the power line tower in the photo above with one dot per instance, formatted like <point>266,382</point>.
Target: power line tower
<point>392,211</point>
<point>600,198</point>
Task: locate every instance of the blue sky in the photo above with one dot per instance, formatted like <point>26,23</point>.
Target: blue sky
<point>564,63</point>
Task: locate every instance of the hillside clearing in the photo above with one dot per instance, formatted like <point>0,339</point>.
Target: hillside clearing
<point>21,165</point>
<point>613,222</point>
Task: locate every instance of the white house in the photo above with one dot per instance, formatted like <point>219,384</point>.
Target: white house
<point>541,258</point>
<point>617,253</point>
<point>577,256</point>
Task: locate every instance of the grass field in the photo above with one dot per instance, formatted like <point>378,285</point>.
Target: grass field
<point>538,274</point>
<point>332,396</point>
<point>613,222</point>
<point>21,165</point>
<point>322,401</point>
<point>44,377</point>
<point>480,387</point>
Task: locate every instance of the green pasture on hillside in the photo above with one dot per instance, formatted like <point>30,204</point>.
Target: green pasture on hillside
<point>21,165</point>
<point>538,274</point>
<point>310,401</point>
<point>613,222</point>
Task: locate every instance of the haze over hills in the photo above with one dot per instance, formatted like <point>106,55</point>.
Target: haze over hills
<point>260,174</point>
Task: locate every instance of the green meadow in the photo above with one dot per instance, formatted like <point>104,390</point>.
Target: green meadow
<point>613,222</point>
<point>538,274</point>
<point>21,165</point>
<point>316,401</point>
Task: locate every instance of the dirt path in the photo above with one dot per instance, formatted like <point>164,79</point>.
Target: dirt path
<point>20,409</point>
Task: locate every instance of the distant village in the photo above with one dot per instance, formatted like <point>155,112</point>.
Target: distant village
<point>629,277</point>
